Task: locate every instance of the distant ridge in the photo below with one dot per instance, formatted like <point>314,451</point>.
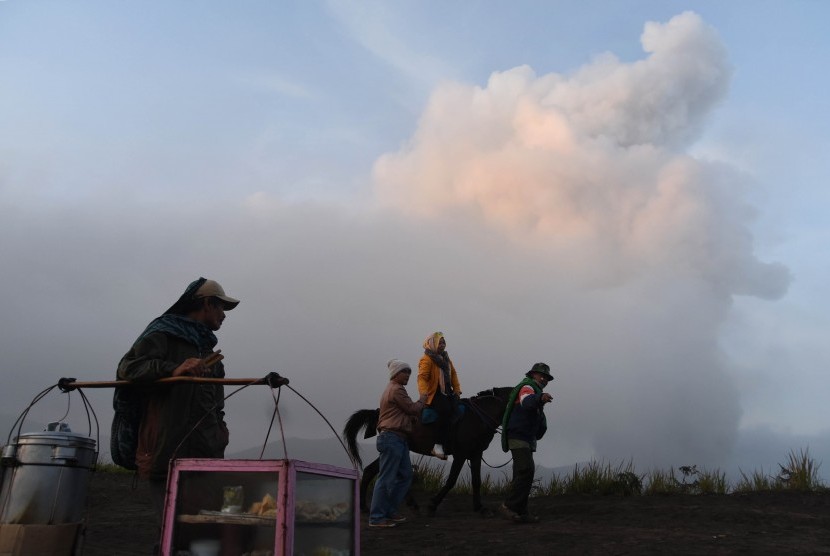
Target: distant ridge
<point>319,450</point>
<point>329,450</point>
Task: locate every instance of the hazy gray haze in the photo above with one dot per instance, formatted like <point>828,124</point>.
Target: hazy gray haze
<point>563,215</point>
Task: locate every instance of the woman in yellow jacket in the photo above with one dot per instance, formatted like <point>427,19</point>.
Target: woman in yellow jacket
<point>438,380</point>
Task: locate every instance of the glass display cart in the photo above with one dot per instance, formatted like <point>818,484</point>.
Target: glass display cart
<point>260,508</point>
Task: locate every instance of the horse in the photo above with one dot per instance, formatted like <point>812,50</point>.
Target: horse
<point>471,436</point>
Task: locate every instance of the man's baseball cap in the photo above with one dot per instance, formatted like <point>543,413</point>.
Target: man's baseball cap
<point>211,288</point>
<point>199,289</point>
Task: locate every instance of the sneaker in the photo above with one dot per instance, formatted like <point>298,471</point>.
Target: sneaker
<point>507,513</point>
<point>526,518</point>
<point>438,452</point>
<point>385,523</point>
<point>398,518</point>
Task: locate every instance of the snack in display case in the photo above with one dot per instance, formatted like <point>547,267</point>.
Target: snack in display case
<point>312,512</point>
<point>261,508</point>
<point>232,499</point>
<point>267,507</point>
<point>323,515</point>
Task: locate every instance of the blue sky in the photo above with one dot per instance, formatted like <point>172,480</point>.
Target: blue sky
<point>331,163</point>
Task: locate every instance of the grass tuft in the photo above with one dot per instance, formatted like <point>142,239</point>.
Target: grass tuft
<point>798,473</point>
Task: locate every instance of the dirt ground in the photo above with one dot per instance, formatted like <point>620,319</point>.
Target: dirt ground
<point>122,521</point>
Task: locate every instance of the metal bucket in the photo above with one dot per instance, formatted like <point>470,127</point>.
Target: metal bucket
<point>45,477</point>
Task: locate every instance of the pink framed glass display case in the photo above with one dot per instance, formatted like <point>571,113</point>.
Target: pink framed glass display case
<point>260,508</point>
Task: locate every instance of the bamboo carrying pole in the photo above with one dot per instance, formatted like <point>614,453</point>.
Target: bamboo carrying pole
<point>274,380</point>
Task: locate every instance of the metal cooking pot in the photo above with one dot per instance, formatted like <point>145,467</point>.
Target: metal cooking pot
<point>45,477</point>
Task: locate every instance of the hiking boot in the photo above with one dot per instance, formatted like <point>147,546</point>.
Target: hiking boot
<point>384,523</point>
<point>398,518</point>
<point>507,513</point>
<point>526,518</point>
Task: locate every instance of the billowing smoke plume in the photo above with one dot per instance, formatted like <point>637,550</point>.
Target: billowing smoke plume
<point>638,246</point>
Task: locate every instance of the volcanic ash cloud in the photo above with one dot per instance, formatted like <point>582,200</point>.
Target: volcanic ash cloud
<point>640,243</point>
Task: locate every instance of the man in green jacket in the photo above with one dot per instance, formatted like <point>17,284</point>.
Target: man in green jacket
<point>522,425</point>
<point>180,420</point>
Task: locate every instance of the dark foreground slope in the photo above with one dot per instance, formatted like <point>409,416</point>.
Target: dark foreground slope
<point>121,522</point>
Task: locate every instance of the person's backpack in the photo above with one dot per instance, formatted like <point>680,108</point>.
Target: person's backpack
<point>128,403</point>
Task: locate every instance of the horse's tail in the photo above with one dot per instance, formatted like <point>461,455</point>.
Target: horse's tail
<point>362,418</point>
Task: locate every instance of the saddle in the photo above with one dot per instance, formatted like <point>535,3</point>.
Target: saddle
<point>429,415</point>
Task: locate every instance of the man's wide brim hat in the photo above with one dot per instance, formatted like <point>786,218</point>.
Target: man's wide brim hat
<point>202,288</point>
<point>541,368</point>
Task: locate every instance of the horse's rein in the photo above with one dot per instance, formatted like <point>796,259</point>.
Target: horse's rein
<point>483,416</point>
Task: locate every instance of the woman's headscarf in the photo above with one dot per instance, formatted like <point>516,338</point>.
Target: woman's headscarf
<point>432,341</point>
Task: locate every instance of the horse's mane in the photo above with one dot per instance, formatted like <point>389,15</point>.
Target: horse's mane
<point>494,392</point>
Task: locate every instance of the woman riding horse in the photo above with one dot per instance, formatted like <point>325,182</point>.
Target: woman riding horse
<point>439,381</point>
<point>471,437</point>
